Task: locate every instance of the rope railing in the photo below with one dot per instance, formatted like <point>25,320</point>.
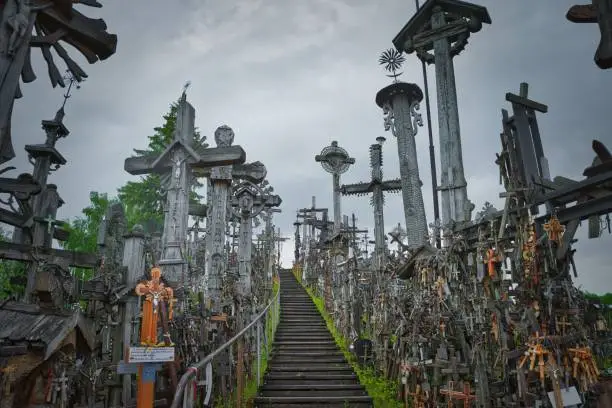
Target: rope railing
<point>185,396</point>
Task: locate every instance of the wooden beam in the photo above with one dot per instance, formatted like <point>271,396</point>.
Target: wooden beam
<point>13,350</point>
<point>211,157</point>
<point>23,184</point>
<point>21,252</point>
<point>13,219</point>
<point>197,210</point>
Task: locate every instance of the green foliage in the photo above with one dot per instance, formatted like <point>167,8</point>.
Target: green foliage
<point>12,274</point>
<point>382,390</point>
<point>83,230</point>
<point>605,299</point>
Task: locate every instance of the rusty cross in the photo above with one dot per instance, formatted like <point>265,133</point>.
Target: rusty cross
<point>600,12</point>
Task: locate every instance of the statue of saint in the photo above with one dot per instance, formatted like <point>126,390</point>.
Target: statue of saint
<point>154,291</point>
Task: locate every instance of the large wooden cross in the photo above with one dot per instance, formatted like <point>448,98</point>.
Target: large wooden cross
<point>600,12</point>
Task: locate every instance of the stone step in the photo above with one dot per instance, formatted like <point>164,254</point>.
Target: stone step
<point>313,392</point>
<point>313,405</point>
<point>319,322</point>
<point>310,386</point>
<point>306,367</point>
<point>300,312</point>
<point>309,330</point>
<point>303,337</point>
<point>339,401</point>
<point>307,354</point>
<point>291,348</point>
<point>304,342</point>
<point>312,334</point>
<point>303,328</point>
<point>294,321</point>
<point>314,361</point>
<point>309,366</point>
<point>312,378</point>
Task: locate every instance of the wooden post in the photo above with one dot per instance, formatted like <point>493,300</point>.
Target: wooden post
<point>239,372</point>
<point>133,258</point>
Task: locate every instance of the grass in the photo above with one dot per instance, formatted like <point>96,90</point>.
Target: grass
<point>382,390</point>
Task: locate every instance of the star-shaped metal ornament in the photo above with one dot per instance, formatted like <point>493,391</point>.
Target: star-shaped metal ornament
<point>392,60</point>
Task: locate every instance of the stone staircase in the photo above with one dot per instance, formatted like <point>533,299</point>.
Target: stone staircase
<point>306,368</point>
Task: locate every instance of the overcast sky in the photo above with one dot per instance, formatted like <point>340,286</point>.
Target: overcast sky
<point>291,76</point>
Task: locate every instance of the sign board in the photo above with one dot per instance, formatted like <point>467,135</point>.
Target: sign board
<point>150,354</point>
<point>570,397</point>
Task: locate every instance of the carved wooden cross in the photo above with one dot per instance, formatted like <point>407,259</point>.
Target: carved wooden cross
<point>600,12</point>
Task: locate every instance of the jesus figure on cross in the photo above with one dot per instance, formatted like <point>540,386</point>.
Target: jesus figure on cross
<point>154,291</point>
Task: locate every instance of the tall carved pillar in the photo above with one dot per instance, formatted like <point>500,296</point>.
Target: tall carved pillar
<point>220,182</point>
<point>400,103</point>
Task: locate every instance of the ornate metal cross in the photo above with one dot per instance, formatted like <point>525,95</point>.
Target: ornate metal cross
<point>335,160</point>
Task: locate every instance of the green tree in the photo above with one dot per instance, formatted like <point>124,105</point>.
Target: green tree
<point>12,274</point>
<point>144,200</point>
<point>83,230</point>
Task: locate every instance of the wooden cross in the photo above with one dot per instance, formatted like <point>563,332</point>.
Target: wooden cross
<point>418,397</point>
<point>600,12</point>
<point>561,325</point>
<point>466,396</point>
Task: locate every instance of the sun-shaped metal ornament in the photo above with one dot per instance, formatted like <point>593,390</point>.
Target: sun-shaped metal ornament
<point>392,60</point>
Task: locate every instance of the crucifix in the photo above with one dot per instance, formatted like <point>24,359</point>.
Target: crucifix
<point>445,27</point>
<point>600,12</point>
<point>335,160</point>
<point>376,187</point>
<point>400,103</point>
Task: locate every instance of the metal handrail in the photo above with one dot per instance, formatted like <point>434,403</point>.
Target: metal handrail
<point>192,371</point>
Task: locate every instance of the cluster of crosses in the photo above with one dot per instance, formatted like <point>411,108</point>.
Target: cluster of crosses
<point>157,301</point>
<point>474,310</point>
